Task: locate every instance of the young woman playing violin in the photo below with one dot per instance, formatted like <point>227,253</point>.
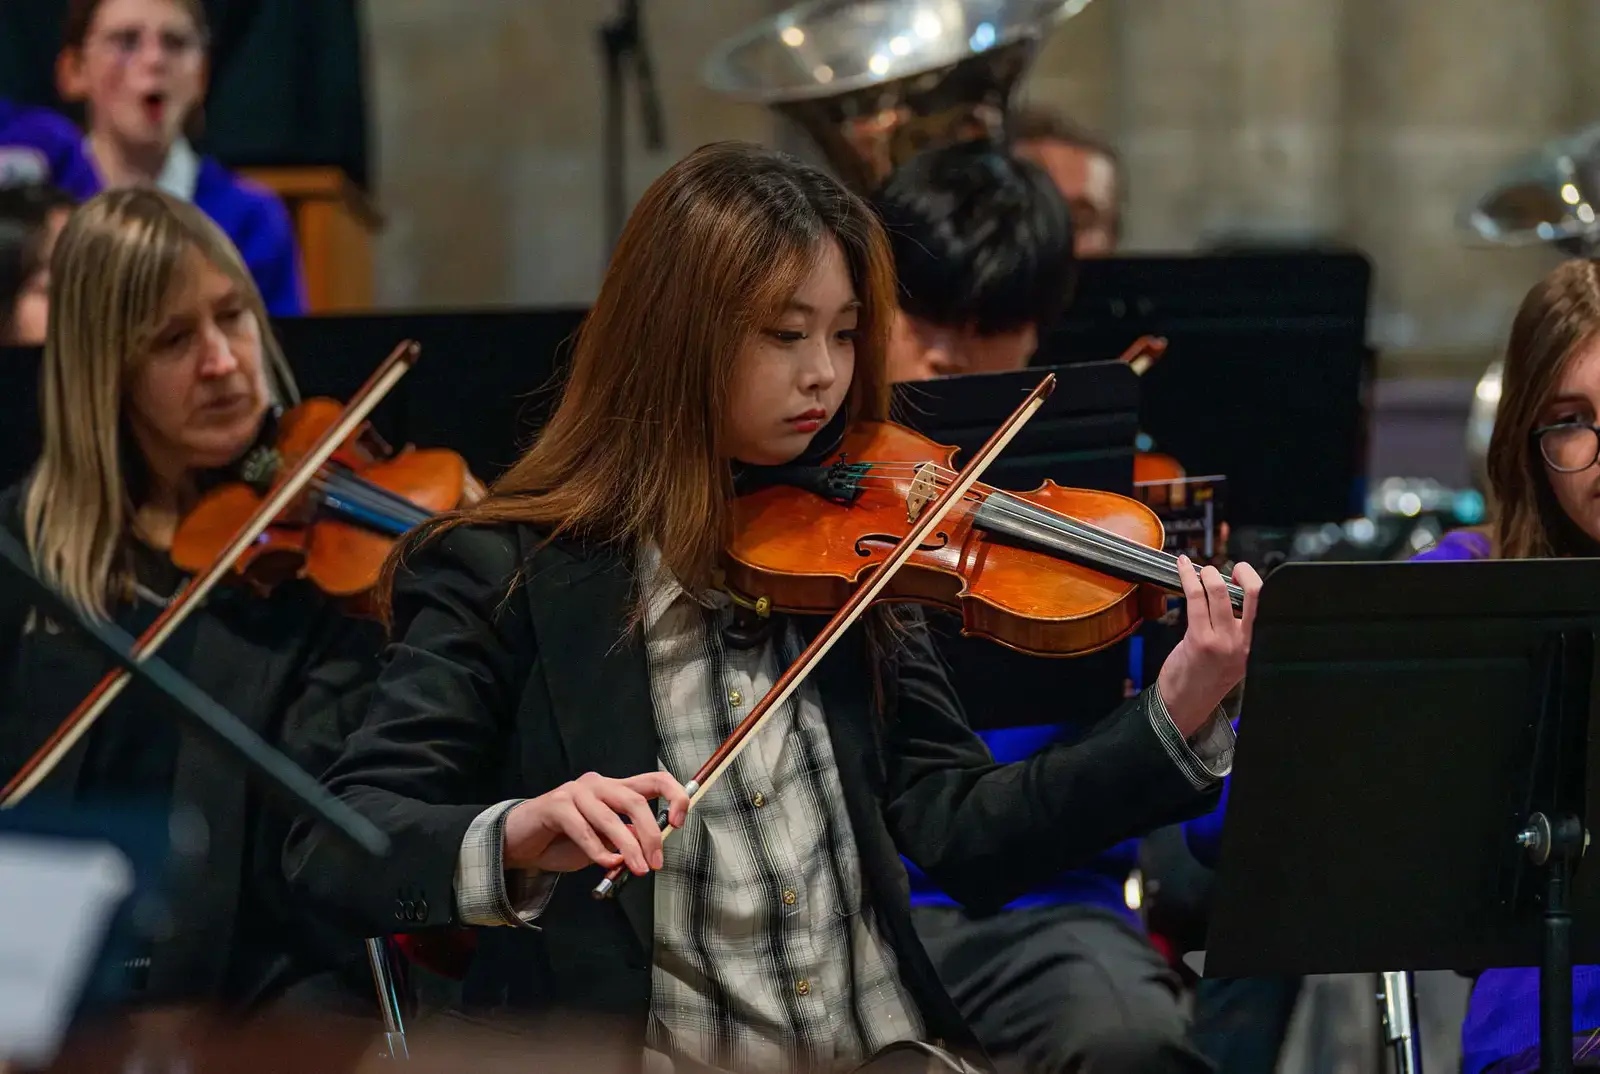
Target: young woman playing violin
<point>159,374</point>
<point>563,655</point>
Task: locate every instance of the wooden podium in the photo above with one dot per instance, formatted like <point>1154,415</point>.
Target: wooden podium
<point>335,225</point>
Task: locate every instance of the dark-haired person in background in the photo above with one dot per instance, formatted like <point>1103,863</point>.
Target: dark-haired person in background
<point>1240,1024</point>
<point>983,250</point>
<point>1065,978</point>
<point>31,216</point>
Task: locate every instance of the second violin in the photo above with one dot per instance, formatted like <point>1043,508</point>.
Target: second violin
<point>336,533</point>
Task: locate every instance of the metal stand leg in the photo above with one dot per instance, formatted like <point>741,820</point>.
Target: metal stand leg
<point>394,1026</point>
<point>1555,846</point>
<point>1397,1002</point>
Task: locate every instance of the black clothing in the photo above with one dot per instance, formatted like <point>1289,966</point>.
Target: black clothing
<point>1063,989</point>
<point>292,668</point>
<point>511,674</point>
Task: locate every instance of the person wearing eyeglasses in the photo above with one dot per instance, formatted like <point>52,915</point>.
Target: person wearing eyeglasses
<point>1543,471</point>
<point>1544,485</point>
<point>1543,481</point>
<point>139,67</point>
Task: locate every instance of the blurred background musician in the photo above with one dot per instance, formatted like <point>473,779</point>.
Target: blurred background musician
<point>160,373</point>
<point>139,68</point>
<point>31,217</point>
<point>1084,167</point>
<point>38,145</point>
<point>984,254</point>
<point>287,86</point>
<point>1065,978</point>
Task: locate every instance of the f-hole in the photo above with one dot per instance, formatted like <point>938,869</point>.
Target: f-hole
<point>940,540</point>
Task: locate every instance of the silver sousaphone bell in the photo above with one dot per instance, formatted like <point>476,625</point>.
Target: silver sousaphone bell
<point>1549,197</point>
<point>874,81</point>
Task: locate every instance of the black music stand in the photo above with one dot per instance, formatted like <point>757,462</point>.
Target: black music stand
<point>1083,436</point>
<point>184,702</point>
<point>1412,788</point>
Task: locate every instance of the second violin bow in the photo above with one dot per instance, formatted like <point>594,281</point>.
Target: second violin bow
<point>89,710</point>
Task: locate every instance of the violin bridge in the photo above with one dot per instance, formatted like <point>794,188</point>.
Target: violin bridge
<point>922,491</point>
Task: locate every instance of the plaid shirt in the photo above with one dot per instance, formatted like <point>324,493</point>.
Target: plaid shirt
<point>766,955</point>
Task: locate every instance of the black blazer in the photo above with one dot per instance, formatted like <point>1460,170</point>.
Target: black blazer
<point>503,685</point>
<point>294,670</point>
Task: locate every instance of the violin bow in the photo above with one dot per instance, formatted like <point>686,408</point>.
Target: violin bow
<point>1143,353</point>
<point>932,516</point>
<point>90,709</point>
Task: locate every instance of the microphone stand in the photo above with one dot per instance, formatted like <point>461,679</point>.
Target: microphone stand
<point>622,39</point>
<point>188,704</point>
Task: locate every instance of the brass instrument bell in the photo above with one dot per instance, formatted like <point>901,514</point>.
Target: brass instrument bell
<point>874,81</point>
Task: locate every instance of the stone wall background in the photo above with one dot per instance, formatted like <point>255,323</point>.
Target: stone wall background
<point>1365,122</point>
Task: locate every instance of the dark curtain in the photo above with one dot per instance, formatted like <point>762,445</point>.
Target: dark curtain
<point>288,82</point>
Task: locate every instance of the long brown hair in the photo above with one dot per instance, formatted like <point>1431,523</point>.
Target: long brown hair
<point>1557,319</point>
<point>712,252</point>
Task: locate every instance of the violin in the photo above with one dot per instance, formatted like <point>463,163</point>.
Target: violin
<point>887,517</point>
<point>1052,572</point>
<point>284,491</point>
<point>338,532</point>
<point>1150,466</point>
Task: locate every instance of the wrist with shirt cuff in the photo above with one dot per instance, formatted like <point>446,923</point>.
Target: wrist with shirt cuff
<point>486,893</point>
<point>1206,756</point>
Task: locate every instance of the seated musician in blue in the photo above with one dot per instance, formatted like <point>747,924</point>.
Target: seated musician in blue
<point>1543,466</point>
<point>1066,979</point>
<point>139,67</point>
<point>38,146</point>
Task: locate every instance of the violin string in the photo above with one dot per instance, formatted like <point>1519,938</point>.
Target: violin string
<point>354,487</point>
<point>372,497</point>
<point>1144,563</point>
<point>374,494</point>
<point>382,518</point>
<point>359,498</point>
<point>1110,536</point>
<point>1107,538</point>
<point>1150,563</point>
